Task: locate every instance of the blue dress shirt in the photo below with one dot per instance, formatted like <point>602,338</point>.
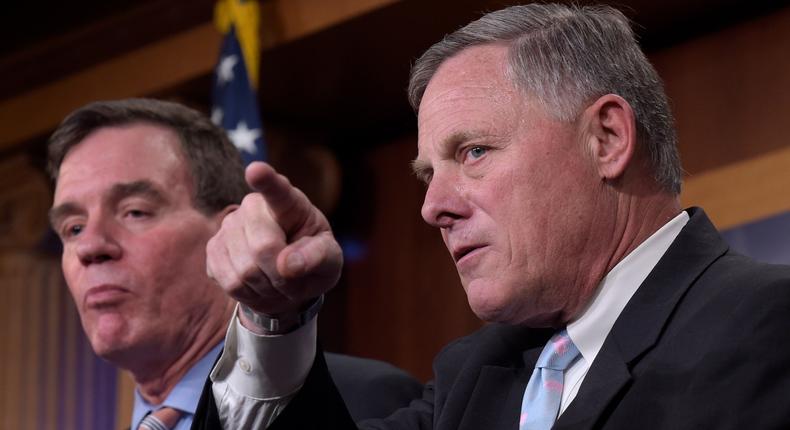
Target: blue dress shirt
<point>185,394</point>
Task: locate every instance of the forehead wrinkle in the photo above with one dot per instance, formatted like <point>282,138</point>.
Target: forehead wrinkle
<point>458,90</point>
<point>492,98</point>
<point>142,188</point>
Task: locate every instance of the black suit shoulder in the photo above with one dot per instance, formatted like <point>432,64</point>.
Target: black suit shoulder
<point>702,344</point>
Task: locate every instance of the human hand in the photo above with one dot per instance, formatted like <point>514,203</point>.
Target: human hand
<point>276,252</point>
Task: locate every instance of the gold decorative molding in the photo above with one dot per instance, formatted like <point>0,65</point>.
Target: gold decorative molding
<point>742,192</point>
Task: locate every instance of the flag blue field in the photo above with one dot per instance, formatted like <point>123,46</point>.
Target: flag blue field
<point>234,103</point>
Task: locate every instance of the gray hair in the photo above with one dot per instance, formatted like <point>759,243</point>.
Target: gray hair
<point>567,57</point>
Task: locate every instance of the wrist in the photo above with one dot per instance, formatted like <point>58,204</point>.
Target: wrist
<point>280,324</point>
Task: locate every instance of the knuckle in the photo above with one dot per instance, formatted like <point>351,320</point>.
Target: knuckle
<point>264,249</point>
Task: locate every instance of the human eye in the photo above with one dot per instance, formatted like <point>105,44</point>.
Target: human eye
<point>477,151</point>
<point>473,153</point>
<point>70,229</point>
<point>136,213</point>
<point>136,210</point>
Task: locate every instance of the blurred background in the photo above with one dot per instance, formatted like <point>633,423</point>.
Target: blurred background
<point>331,93</point>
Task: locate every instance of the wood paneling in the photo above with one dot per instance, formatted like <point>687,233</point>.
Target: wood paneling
<point>730,91</point>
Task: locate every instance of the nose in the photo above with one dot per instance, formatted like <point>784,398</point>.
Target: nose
<point>96,243</point>
<point>444,202</point>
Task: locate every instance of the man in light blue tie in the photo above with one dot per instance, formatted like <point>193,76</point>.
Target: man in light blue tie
<point>549,155</point>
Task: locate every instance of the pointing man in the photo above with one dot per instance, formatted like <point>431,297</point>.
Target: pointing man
<point>549,153</point>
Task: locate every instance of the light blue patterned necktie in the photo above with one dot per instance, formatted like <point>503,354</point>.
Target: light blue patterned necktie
<point>541,403</point>
<point>164,418</point>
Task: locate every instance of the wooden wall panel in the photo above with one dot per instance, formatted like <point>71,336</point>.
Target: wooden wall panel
<point>730,91</point>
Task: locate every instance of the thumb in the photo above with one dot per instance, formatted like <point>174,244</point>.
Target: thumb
<point>316,256</point>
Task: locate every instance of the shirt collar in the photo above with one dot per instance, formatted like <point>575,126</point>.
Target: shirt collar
<point>590,329</point>
<point>185,395</point>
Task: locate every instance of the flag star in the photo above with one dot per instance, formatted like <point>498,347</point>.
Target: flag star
<point>244,138</point>
<point>225,68</point>
<point>216,116</point>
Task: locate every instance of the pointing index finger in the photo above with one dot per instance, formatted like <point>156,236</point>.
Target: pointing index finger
<point>289,207</point>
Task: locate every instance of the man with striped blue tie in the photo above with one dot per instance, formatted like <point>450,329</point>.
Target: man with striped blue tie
<point>140,187</point>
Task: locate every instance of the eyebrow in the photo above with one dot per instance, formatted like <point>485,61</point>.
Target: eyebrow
<point>422,170</point>
<point>143,188</point>
<point>61,211</point>
<point>118,192</point>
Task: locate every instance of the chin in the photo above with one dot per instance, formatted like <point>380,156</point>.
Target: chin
<point>107,337</point>
<point>501,305</point>
<point>489,303</point>
<point>107,347</point>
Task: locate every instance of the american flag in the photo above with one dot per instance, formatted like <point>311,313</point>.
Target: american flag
<point>234,104</point>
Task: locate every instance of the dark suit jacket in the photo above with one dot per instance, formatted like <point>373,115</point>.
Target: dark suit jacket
<point>703,344</point>
<point>368,389</point>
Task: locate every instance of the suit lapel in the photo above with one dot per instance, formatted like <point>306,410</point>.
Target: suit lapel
<point>607,376</point>
<point>641,323</point>
<point>496,399</point>
<point>505,362</point>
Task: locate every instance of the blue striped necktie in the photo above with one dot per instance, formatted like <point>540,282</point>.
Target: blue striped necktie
<point>541,403</point>
<point>161,419</point>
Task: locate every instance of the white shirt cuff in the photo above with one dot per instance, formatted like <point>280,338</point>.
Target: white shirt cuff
<point>265,367</point>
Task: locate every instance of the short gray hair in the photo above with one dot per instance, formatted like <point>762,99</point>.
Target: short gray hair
<point>567,57</point>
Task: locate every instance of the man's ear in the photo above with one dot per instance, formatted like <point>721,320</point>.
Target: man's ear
<point>611,135</point>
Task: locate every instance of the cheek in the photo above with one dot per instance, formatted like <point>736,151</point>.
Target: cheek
<point>71,268</point>
<point>178,262</point>
<point>443,233</point>
<point>173,260</point>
